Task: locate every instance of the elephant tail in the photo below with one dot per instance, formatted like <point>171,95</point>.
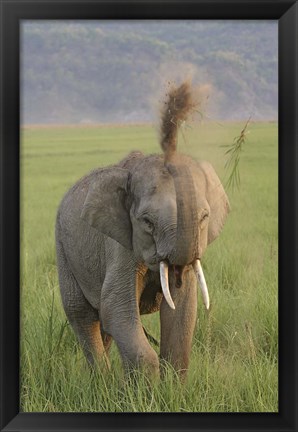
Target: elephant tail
<point>150,338</point>
<point>178,105</point>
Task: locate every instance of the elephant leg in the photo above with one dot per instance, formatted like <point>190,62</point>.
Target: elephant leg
<point>177,326</point>
<point>121,319</point>
<point>83,318</point>
<point>86,325</point>
<point>85,322</point>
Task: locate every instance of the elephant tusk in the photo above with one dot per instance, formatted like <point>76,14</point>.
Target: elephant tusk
<point>164,279</point>
<point>202,282</point>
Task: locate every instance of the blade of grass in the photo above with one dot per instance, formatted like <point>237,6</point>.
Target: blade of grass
<point>233,153</point>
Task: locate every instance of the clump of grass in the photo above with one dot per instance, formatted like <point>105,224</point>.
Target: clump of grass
<point>233,154</point>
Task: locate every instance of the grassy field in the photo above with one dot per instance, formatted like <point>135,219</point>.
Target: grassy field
<point>234,362</point>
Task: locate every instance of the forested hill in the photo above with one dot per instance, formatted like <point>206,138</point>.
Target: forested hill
<point>113,71</point>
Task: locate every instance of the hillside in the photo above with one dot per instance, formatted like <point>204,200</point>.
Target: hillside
<point>113,71</point>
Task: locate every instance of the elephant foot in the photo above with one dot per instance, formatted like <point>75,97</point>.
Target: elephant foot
<point>145,363</point>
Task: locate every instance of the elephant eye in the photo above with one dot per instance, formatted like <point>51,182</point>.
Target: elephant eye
<point>148,224</point>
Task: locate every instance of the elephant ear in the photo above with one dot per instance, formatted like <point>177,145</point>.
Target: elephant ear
<point>217,200</point>
<point>104,207</point>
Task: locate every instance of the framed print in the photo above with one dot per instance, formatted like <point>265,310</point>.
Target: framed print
<point>133,135</point>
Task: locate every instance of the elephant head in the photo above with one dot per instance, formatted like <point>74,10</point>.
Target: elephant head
<point>166,208</point>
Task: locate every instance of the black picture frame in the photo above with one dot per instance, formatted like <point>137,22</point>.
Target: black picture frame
<point>12,12</point>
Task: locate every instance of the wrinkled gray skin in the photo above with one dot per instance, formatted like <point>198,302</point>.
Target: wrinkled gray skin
<point>113,228</point>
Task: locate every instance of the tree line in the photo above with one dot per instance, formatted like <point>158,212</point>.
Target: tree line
<point>114,71</point>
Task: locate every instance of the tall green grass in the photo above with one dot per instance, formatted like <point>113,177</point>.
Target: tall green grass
<point>234,360</point>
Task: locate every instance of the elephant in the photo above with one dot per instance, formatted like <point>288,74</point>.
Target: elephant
<point>129,241</point>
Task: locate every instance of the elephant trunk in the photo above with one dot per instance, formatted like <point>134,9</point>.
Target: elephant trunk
<point>186,247</point>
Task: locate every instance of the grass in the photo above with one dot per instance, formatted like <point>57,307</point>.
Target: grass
<point>234,362</point>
